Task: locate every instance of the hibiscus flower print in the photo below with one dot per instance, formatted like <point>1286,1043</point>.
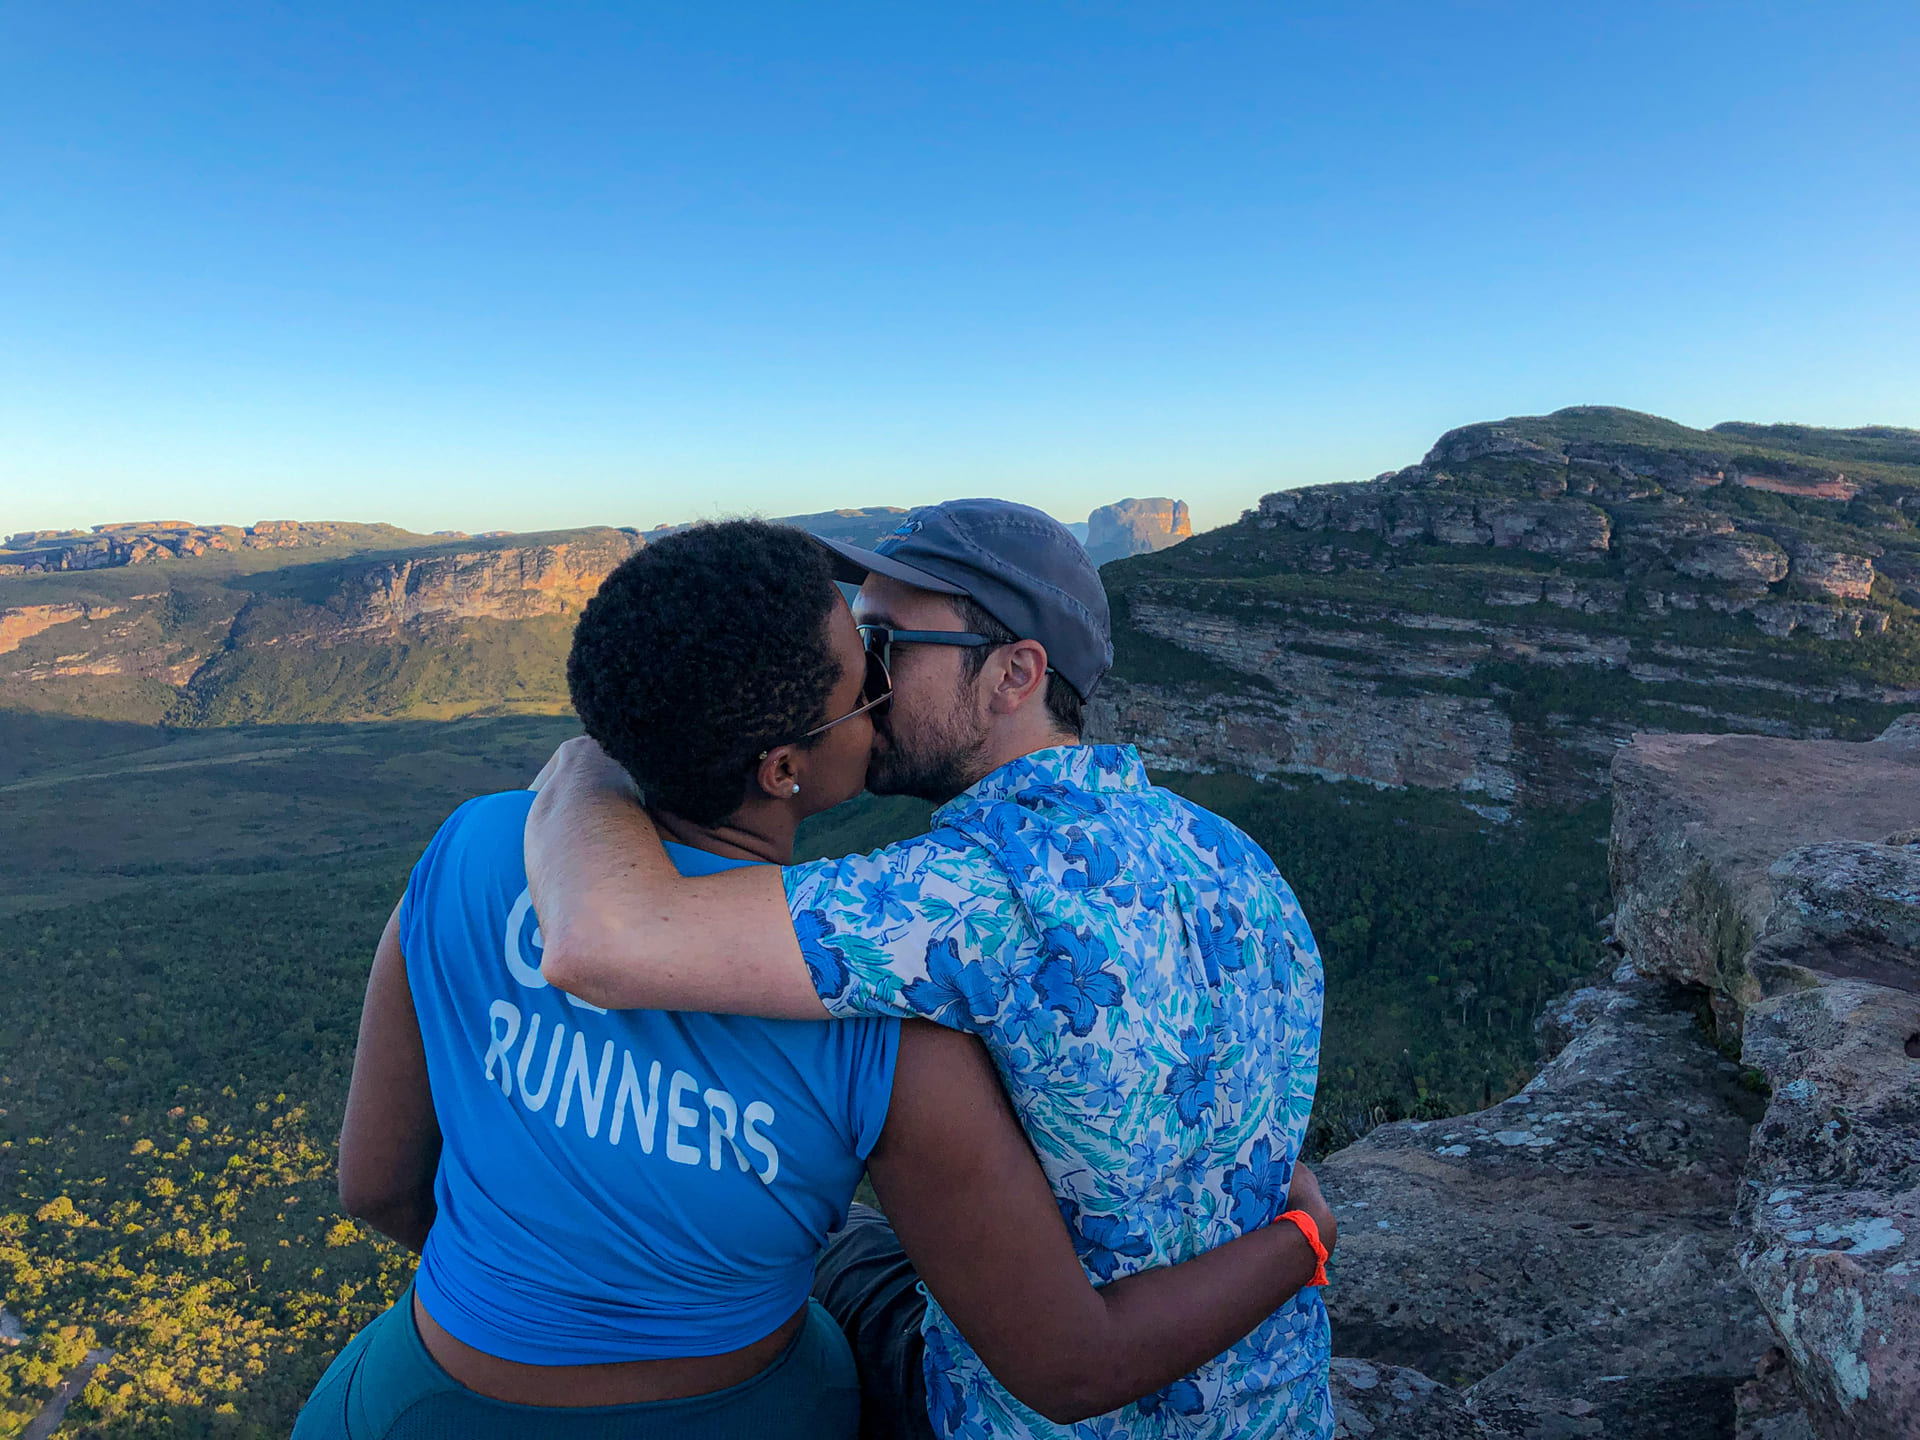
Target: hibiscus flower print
<point>1076,980</point>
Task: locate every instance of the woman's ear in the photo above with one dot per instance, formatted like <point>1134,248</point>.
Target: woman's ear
<point>778,776</point>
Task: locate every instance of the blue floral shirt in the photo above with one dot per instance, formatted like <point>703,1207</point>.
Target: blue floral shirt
<point>1151,995</point>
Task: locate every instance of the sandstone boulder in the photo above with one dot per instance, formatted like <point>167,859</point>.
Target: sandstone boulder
<point>1850,891</point>
<point>1569,529</point>
<point>1564,1259</point>
<point>1834,573</point>
<point>1784,876</point>
<point>1829,622</point>
<point>1472,442</point>
<point>1698,822</point>
<point>1750,561</point>
<point>1658,529</point>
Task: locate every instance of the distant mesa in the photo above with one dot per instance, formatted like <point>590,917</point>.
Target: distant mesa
<point>1136,527</point>
<point>107,547</point>
<point>864,527</point>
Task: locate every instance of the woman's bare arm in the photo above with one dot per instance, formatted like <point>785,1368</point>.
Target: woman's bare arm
<point>390,1140</point>
<point>974,1213</point>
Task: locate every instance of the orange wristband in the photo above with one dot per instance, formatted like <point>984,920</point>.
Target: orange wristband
<point>1312,1231</point>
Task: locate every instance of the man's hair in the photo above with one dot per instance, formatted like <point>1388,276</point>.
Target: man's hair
<point>1064,706</point>
<point>701,651</point>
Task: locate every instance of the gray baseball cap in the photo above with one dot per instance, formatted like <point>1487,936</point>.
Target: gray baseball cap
<point>1019,564</point>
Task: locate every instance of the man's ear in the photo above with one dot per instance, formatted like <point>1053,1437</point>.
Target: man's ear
<point>777,774</point>
<point>1021,676</point>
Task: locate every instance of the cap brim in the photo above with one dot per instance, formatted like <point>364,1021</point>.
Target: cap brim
<point>852,565</point>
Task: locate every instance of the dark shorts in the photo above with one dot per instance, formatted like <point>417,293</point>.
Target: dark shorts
<point>867,1284</point>
<point>385,1386</point>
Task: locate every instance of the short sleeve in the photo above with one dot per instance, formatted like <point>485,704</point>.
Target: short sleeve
<point>416,903</point>
<point>873,1054</point>
<point>920,930</point>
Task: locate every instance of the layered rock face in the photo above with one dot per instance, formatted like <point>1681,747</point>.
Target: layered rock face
<point>1497,619</point>
<point>509,583</point>
<point>1620,1250</point>
<point>460,622</point>
<point>23,622</point>
<point>1136,527</point>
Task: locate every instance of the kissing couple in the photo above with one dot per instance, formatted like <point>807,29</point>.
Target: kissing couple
<point>622,1064</point>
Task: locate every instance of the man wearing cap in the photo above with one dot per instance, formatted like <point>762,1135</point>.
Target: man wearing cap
<point>1138,969</point>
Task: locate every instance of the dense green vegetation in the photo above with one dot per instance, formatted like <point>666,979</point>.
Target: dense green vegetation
<point>172,1081</point>
<point>1443,933</point>
<point>520,665</point>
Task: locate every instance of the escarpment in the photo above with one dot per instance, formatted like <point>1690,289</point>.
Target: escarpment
<point>1702,1216</point>
<point>1497,619</point>
<point>442,628</point>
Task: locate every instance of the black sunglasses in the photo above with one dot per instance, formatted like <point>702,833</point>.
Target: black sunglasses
<point>880,639</point>
<point>878,642</point>
<point>876,693</point>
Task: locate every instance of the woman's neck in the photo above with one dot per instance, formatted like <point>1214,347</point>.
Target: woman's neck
<point>762,833</point>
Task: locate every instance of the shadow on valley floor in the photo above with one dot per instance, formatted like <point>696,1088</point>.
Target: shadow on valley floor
<point>95,807</point>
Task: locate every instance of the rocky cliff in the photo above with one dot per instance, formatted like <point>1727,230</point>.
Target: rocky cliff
<point>1702,1217</point>
<point>1498,618</point>
<point>289,621</point>
<point>442,628</point>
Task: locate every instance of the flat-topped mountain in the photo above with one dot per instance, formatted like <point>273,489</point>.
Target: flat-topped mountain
<point>144,542</point>
<point>1136,527</point>
<point>1498,617</point>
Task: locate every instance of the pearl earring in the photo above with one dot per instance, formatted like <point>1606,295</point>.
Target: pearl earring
<point>796,788</point>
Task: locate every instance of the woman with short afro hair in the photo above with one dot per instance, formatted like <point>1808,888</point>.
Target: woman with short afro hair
<point>702,651</point>
<point>619,1213</point>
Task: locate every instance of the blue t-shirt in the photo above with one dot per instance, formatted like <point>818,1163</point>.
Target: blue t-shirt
<point>615,1185</point>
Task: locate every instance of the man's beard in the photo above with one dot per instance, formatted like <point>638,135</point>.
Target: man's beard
<point>939,763</point>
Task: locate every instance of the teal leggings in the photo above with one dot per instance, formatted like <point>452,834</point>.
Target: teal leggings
<point>385,1386</point>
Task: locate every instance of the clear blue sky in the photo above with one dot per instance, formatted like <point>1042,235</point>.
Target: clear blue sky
<point>488,266</point>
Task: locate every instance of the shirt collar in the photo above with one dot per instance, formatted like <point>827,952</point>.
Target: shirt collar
<point>1092,769</point>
